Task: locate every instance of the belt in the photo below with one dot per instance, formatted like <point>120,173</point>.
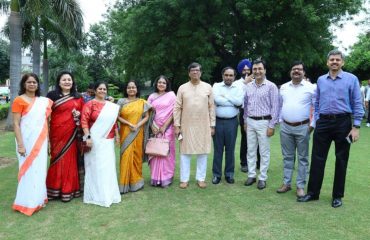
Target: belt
<point>268,117</point>
<point>295,124</point>
<point>334,116</point>
<point>226,118</point>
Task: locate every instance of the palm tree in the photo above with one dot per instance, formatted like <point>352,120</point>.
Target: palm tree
<point>32,13</point>
<point>15,52</point>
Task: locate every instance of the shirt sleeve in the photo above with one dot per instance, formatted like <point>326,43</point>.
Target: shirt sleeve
<point>178,108</point>
<point>211,109</point>
<point>274,99</point>
<point>85,116</point>
<point>356,103</point>
<point>18,105</point>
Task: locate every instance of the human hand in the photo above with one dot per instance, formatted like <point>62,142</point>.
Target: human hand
<point>154,129</point>
<point>355,133</point>
<point>133,128</point>
<point>270,132</point>
<point>89,142</point>
<point>110,99</point>
<point>177,131</point>
<point>76,113</point>
<point>22,150</point>
<point>212,131</point>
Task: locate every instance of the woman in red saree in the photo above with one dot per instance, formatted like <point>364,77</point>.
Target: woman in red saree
<point>63,179</point>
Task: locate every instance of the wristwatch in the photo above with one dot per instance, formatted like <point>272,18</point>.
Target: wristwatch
<point>84,138</point>
<point>356,126</point>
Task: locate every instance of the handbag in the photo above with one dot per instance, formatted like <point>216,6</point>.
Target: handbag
<point>157,146</point>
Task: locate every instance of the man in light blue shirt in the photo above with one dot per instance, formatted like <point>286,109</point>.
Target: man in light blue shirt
<point>338,99</point>
<point>228,98</point>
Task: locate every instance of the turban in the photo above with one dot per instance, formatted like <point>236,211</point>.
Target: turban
<point>242,64</point>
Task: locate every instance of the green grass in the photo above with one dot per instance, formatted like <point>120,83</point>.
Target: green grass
<point>219,212</point>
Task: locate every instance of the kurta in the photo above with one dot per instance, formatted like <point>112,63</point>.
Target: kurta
<point>194,112</point>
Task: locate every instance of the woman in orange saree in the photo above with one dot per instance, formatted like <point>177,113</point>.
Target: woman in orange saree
<point>133,116</point>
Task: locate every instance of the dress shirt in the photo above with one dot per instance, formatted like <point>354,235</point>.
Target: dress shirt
<point>367,97</point>
<point>240,83</point>
<point>262,100</point>
<point>228,99</point>
<point>339,95</point>
<point>296,101</point>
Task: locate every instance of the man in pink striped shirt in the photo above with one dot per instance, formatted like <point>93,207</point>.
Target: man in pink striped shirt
<point>261,107</point>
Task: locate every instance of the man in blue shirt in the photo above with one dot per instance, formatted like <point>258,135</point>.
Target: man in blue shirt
<point>228,99</point>
<point>338,98</point>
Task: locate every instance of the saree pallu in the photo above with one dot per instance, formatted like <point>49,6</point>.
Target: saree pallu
<point>162,169</point>
<point>31,192</point>
<point>101,186</point>
<point>132,145</point>
<point>63,178</point>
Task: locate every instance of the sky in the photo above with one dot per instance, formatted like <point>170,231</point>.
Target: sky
<point>94,9</point>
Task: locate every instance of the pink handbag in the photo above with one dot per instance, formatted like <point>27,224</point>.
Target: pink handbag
<point>157,146</point>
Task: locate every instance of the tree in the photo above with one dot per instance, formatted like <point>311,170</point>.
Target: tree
<point>4,61</point>
<point>15,52</point>
<point>162,37</point>
<point>358,62</point>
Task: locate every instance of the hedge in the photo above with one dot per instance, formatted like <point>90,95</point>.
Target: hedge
<point>4,111</point>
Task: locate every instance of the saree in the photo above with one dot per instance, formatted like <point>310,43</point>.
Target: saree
<point>63,177</point>
<point>162,169</point>
<point>101,186</point>
<point>132,145</point>
<point>31,191</point>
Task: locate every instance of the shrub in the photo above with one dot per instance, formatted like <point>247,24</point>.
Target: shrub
<point>4,108</point>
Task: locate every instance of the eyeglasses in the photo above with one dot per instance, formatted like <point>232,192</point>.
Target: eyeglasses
<point>297,69</point>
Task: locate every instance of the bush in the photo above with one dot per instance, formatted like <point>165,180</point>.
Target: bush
<point>4,108</point>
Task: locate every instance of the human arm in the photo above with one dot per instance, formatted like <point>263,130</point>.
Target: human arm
<point>274,103</point>
<point>212,112</point>
<point>177,110</point>
<point>18,133</point>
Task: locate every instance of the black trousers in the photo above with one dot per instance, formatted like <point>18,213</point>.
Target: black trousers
<point>224,137</point>
<point>243,143</point>
<point>326,131</point>
<point>368,112</point>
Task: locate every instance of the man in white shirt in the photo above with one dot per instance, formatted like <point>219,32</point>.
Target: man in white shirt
<point>296,99</point>
<point>228,98</point>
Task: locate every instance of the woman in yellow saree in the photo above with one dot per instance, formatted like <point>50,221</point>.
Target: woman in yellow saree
<point>133,116</point>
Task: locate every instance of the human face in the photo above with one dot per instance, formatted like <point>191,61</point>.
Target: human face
<point>246,71</point>
<point>195,73</point>
<point>31,85</point>
<point>101,91</point>
<point>297,73</point>
<point>335,63</point>
<point>259,71</point>
<point>161,85</point>
<point>228,77</point>
<point>131,89</point>
<point>90,92</point>
<point>66,83</point>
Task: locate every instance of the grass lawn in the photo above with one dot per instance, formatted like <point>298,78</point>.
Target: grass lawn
<point>219,212</point>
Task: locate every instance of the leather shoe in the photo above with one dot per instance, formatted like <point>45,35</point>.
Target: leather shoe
<point>244,168</point>
<point>216,180</point>
<point>250,181</point>
<point>184,185</point>
<point>307,198</point>
<point>284,188</point>
<point>230,180</point>
<point>261,184</point>
<point>300,192</point>
<point>202,184</point>
<point>337,202</point>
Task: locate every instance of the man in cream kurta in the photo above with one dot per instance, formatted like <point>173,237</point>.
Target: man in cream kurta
<point>194,120</point>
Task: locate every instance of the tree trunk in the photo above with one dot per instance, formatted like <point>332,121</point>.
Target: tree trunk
<point>15,36</point>
<point>45,67</point>
<point>36,57</point>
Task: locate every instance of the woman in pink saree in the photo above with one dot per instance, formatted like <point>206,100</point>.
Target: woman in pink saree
<point>163,101</point>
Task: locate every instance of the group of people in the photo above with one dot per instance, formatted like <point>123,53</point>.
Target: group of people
<point>199,112</point>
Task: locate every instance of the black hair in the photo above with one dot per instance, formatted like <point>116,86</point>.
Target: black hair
<point>58,89</point>
<point>25,77</point>
<point>98,83</point>
<point>194,65</point>
<point>298,62</point>
<point>227,68</point>
<point>126,85</point>
<point>91,86</point>
<point>258,61</point>
<point>168,84</point>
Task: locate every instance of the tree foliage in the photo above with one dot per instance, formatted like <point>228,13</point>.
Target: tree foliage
<point>4,60</point>
<point>358,61</point>
<point>162,37</point>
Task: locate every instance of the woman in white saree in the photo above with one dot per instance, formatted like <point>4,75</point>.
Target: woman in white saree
<point>30,119</point>
<point>98,122</point>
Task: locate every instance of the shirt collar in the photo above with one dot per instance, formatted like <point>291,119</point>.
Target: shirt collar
<point>224,85</point>
<point>340,75</point>
<point>300,84</point>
